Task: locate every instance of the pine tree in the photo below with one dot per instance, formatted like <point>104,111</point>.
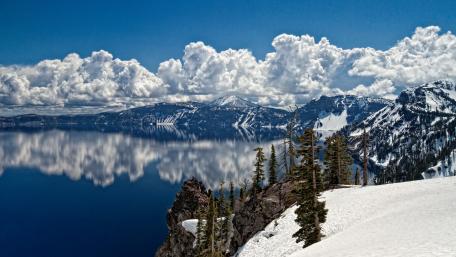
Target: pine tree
<point>365,146</point>
<point>284,155</point>
<point>259,171</point>
<point>331,177</point>
<point>290,153</point>
<point>310,212</point>
<point>221,199</point>
<point>241,195</point>
<point>292,156</point>
<point>243,191</point>
<point>232,200</point>
<point>225,229</point>
<point>291,147</point>
<point>272,167</point>
<point>357,176</point>
<point>211,227</point>
<point>200,234</point>
<point>337,161</point>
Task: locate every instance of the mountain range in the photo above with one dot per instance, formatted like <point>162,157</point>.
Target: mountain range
<point>222,114</point>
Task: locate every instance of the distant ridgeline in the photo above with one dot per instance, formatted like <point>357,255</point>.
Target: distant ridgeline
<point>226,117</point>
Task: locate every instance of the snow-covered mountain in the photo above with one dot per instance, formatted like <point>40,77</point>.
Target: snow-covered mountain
<point>403,219</point>
<point>225,113</point>
<point>330,114</point>
<point>438,97</point>
<point>415,136</point>
<point>232,102</point>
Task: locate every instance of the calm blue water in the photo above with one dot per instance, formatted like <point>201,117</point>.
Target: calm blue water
<point>100,194</point>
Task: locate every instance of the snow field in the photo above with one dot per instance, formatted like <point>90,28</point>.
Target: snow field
<point>412,219</point>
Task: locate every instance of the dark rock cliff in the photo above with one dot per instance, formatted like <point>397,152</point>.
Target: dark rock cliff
<point>255,214</point>
<point>250,217</point>
<point>180,242</point>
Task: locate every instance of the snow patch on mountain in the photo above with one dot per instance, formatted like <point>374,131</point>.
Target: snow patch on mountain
<point>232,101</point>
<point>450,93</point>
<point>332,122</point>
<point>438,96</point>
<point>404,219</point>
<point>245,121</point>
<point>443,168</point>
<point>190,225</point>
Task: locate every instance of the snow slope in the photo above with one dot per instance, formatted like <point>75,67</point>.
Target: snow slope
<point>332,122</point>
<point>404,219</point>
<point>418,128</point>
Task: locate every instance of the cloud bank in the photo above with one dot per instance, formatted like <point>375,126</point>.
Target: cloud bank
<point>299,69</point>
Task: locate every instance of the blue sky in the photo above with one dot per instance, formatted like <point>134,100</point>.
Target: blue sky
<point>153,31</point>
<point>104,54</point>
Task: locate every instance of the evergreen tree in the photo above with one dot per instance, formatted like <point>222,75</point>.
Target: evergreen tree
<point>331,178</point>
<point>357,176</point>
<point>284,155</point>
<point>289,150</point>
<point>232,199</point>
<point>211,228</point>
<point>292,157</point>
<point>243,191</point>
<point>365,146</point>
<point>221,199</point>
<point>241,195</point>
<point>290,136</point>
<point>225,229</point>
<point>310,212</point>
<point>259,171</point>
<point>200,234</point>
<point>337,161</point>
<point>272,167</point>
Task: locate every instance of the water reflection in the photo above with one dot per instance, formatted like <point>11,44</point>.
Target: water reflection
<point>101,157</point>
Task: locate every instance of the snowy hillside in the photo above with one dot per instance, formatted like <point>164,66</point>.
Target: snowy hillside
<point>414,135</point>
<point>409,219</point>
<point>332,122</point>
<point>333,113</point>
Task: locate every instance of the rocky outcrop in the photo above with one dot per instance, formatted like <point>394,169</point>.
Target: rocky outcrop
<point>250,217</point>
<point>179,241</point>
<point>255,214</point>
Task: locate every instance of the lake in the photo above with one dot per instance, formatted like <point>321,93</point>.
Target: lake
<point>80,193</point>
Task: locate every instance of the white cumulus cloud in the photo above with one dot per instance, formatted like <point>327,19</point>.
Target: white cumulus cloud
<point>96,80</point>
<point>299,68</point>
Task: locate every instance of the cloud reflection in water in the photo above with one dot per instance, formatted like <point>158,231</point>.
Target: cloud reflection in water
<point>101,157</point>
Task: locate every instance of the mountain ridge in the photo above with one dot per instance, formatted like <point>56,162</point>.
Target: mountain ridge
<point>233,101</point>
<point>225,112</point>
<point>413,138</point>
